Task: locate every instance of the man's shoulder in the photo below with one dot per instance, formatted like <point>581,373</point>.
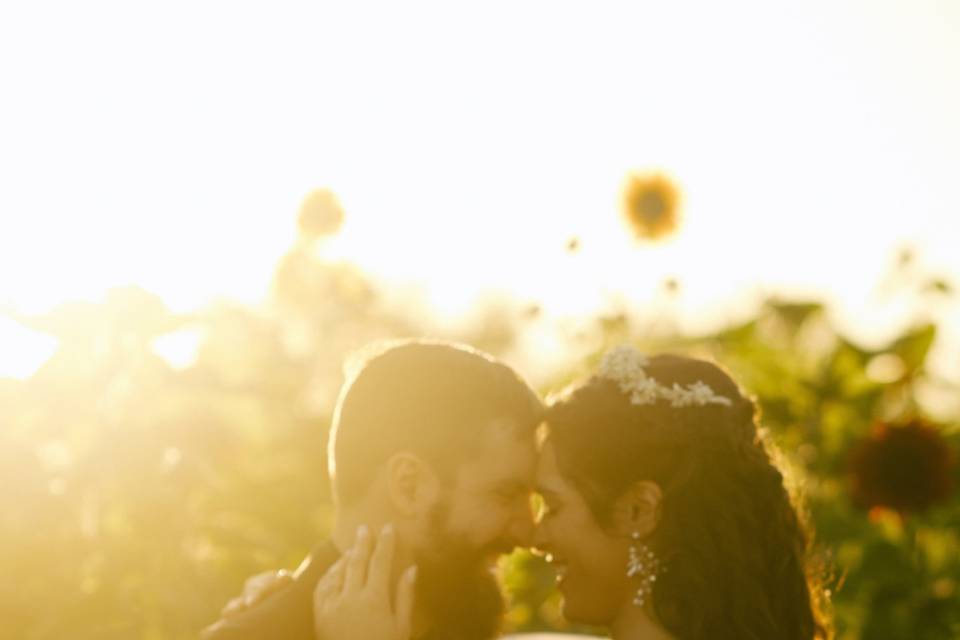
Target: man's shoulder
<point>286,614</point>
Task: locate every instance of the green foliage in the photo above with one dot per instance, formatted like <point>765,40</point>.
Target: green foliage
<point>135,498</point>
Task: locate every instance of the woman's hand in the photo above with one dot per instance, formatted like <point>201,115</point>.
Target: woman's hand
<point>352,600</point>
<point>257,589</point>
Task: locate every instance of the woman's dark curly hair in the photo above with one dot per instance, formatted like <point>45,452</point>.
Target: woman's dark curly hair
<point>736,548</point>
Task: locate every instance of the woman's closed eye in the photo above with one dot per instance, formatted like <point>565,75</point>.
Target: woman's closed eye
<point>547,509</point>
<point>546,504</point>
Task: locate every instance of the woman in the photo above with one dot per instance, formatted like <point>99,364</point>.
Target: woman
<point>664,515</point>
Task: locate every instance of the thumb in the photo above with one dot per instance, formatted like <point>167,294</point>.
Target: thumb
<point>404,604</point>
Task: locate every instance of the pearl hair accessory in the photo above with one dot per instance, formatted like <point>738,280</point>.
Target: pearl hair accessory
<point>625,366</point>
<point>642,563</point>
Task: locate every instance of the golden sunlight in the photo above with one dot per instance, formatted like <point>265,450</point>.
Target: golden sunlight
<point>24,351</point>
<point>490,207</point>
<point>209,207</point>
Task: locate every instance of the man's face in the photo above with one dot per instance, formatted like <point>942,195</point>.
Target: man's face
<point>489,502</point>
<point>485,513</point>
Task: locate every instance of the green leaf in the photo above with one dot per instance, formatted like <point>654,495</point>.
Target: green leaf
<point>914,346</point>
<point>794,313</point>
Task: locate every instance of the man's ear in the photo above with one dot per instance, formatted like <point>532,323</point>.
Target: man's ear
<point>638,509</point>
<point>412,484</point>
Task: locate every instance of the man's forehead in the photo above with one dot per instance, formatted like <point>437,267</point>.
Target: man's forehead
<point>504,434</point>
<point>505,451</point>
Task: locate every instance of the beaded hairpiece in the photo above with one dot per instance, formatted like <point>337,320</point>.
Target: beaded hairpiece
<point>625,366</point>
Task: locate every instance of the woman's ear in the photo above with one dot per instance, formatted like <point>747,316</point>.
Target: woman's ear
<point>638,509</point>
<point>412,485</point>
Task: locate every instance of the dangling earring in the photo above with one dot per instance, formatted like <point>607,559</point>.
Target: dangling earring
<point>643,564</point>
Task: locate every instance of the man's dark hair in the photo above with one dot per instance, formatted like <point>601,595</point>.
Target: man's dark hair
<point>428,397</point>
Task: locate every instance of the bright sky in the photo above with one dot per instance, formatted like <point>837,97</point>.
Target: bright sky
<point>169,144</point>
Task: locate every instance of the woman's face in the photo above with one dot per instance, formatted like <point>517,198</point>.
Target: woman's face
<point>591,563</point>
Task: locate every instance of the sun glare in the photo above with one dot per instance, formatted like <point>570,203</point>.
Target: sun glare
<point>476,184</point>
<point>212,212</point>
<point>24,351</point>
<point>180,348</point>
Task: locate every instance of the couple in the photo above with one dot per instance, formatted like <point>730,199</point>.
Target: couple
<point>663,512</point>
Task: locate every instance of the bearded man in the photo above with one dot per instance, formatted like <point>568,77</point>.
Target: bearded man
<point>436,443</point>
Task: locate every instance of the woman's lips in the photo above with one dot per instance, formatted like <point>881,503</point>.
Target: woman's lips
<point>559,566</point>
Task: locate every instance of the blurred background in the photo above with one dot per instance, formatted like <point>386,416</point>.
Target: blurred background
<point>205,206</point>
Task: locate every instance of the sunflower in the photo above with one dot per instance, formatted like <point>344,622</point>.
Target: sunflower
<point>320,214</point>
<point>651,205</point>
<point>906,467</point>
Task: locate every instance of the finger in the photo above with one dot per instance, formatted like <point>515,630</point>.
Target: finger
<point>403,609</point>
<point>255,583</point>
<point>255,589</point>
<point>381,562</point>
<point>281,580</point>
<point>357,562</point>
<point>264,583</point>
<point>233,607</point>
<point>329,586</point>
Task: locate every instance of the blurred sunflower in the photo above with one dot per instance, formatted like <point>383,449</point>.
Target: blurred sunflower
<point>320,214</point>
<point>651,205</point>
<point>906,467</point>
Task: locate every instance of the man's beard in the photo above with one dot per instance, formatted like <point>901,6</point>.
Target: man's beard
<point>455,587</point>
